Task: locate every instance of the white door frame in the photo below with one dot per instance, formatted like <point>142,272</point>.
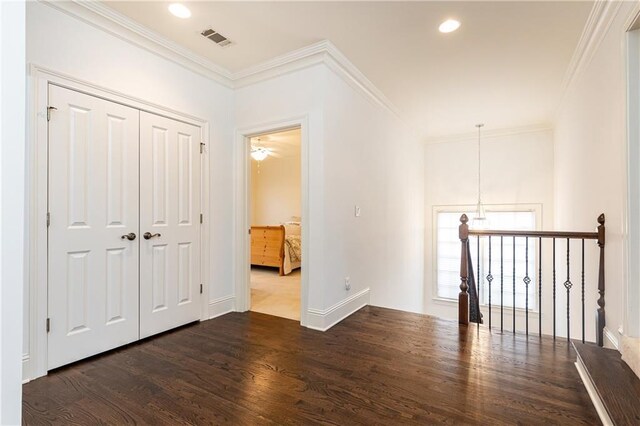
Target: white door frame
<point>631,211</point>
<point>39,78</point>
<point>242,203</point>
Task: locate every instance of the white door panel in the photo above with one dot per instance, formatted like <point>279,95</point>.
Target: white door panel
<point>170,211</point>
<point>93,201</point>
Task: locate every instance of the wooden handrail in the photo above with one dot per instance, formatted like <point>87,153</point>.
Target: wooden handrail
<point>463,297</point>
<point>534,234</point>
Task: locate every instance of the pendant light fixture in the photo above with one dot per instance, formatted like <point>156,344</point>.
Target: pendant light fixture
<point>480,217</point>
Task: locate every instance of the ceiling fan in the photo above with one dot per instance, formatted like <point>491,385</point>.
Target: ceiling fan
<point>259,152</point>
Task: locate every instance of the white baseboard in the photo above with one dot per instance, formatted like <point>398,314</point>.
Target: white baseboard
<point>323,320</point>
<point>221,306</point>
<point>26,368</point>
<point>612,337</point>
<point>630,349</point>
<point>593,394</point>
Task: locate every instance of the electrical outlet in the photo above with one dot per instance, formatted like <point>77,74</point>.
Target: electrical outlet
<point>347,283</point>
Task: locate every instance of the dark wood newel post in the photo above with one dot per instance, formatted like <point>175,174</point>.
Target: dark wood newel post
<point>600,320</point>
<point>463,297</point>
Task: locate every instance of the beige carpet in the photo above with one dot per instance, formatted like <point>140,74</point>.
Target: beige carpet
<point>275,295</point>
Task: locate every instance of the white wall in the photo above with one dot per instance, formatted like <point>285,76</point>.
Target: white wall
<point>516,169</point>
<point>12,173</point>
<point>360,154</point>
<point>275,188</point>
<point>590,153</point>
<point>290,96</point>
<point>371,160</point>
<point>67,45</point>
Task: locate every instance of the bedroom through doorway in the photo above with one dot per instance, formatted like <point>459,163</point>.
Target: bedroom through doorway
<point>275,215</point>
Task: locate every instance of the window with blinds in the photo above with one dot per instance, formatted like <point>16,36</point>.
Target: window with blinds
<point>448,257</point>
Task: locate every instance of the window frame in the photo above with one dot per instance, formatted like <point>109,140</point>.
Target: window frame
<point>536,208</point>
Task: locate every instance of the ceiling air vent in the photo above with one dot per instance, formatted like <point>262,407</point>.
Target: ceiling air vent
<point>216,37</point>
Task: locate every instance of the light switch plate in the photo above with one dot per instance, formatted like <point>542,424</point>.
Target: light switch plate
<point>357,211</point>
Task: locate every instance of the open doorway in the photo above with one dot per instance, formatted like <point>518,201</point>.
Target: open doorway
<point>275,216</point>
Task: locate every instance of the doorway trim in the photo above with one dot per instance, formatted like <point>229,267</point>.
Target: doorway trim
<point>631,233</point>
<point>38,80</point>
<point>242,222</point>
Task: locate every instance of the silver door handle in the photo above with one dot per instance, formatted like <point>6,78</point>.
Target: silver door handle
<point>130,236</point>
<point>149,235</point>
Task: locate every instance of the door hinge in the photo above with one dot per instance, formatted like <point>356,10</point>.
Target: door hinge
<point>249,231</point>
<point>48,325</point>
<point>201,218</point>
<point>201,147</point>
<point>48,219</point>
<point>201,288</point>
<point>49,109</point>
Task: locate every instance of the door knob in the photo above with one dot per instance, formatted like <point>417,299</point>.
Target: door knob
<point>131,236</point>
<point>149,235</point>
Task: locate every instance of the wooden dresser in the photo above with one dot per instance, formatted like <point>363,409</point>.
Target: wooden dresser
<point>267,246</point>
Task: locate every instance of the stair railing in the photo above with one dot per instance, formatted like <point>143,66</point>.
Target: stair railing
<point>466,280</point>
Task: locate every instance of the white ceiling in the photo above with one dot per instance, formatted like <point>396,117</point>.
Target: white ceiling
<point>504,66</point>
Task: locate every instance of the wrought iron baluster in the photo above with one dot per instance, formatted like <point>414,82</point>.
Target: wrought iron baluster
<point>568,285</point>
<point>479,282</point>
<point>582,279</point>
<point>526,280</point>
<point>489,279</point>
<point>554,289</point>
<point>600,313</point>
<point>501,284</point>
<point>540,286</point>
<point>513,307</point>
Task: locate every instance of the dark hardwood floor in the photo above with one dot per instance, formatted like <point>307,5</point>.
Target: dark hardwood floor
<point>615,382</point>
<point>378,366</point>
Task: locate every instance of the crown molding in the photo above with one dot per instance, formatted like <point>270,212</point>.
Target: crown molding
<point>598,23</point>
<point>321,52</point>
<point>97,14</point>
<point>339,63</point>
<point>291,61</point>
<point>489,134</point>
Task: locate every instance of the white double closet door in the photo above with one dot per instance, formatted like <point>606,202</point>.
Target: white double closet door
<point>116,174</point>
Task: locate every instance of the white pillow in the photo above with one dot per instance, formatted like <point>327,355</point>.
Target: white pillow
<point>291,228</point>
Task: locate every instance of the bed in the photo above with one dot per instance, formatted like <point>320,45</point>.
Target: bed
<point>277,246</point>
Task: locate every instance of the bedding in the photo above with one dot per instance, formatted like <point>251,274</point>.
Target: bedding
<point>292,253</point>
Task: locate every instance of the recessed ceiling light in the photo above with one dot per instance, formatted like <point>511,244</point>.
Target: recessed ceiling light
<point>448,26</point>
<point>179,10</point>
